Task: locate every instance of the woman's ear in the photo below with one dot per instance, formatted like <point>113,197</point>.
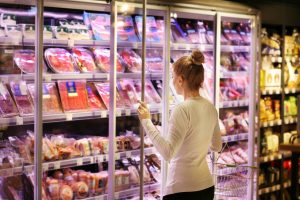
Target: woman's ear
<point>180,80</point>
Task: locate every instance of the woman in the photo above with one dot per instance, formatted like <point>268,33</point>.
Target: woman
<point>193,129</point>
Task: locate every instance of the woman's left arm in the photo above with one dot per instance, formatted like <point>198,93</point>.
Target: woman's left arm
<point>178,126</point>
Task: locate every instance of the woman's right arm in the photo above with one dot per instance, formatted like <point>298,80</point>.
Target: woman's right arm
<point>216,141</point>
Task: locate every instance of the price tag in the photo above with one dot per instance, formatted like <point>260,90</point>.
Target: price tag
<point>47,77</point>
<point>127,112</point>
<point>264,92</point>
<point>271,157</point>
<point>286,121</point>
<point>286,90</point>
<point>265,159</point>
<point>270,91</point>
<point>296,119</point>
<point>128,154</point>
<point>100,158</point>
<point>119,112</point>
<point>70,43</point>
<point>135,45</point>
<point>279,122</point>
<point>188,47</point>
<point>107,77</point>
<point>45,167</point>
<point>265,124</point>
<point>273,59</point>
<point>271,123</point>
<point>279,156</point>
<point>279,59</point>
<point>100,197</point>
<point>293,59</point>
<point>79,162</point>
<point>19,120</point>
<point>103,114</point>
<point>91,159</point>
<point>293,90</point>
<point>277,91</point>
<point>221,104</point>
<point>175,46</point>
<point>69,116</point>
<point>291,120</point>
<point>56,165</point>
<point>202,48</point>
<point>117,156</point>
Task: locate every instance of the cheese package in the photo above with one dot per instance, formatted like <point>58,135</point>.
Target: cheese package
<point>151,32</point>
<point>126,30</point>
<point>102,60</point>
<point>22,97</point>
<point>60,60</point>
<point>73,95</point>
<point>51,102</point>
<point>103,90</point>
<point>7,105</point>
<point>84,59</point>
<point>132,60</point>
<point>95,101</point>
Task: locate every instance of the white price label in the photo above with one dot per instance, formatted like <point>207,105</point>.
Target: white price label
<point>188,47</point>
<point>175,46</point>
<point>57,165</point>
<point>107,77</point>
<point>270,91</point>
<point>273,59</point>
<point>293,90</point>
<point>293,59</point>
<point>291,120</point>
<point>271,157</point>
<point>79,162</point>
<point>127,112</point>
<point>117,195</point>
<point>100,197</point>
<point>286,90</point>
<point>69,116</point>
<point>271,123</point>
<point>265,124</point>
<point>100,159</point>
<point>277,91</point>
<point>117,156</point>
<point>103,114</point>
<point>119,112</point>
<point>135,45</point>
<point>279,59</point>
<point>19,120</point>
<point>128,154</point>
<point>70,43</point>
<point>47,77</point>
<point>45,167</point>
<point>265,159</point>
<point>8,51</point>
<point>279,156</point>
<point>279,122</point>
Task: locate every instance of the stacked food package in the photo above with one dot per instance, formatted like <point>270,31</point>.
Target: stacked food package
<point>232,89</point>
<point>235,121</point>
<point>7,105</point>
<point>84,59</point>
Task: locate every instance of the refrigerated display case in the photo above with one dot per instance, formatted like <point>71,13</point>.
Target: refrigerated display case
<point>94,135</point>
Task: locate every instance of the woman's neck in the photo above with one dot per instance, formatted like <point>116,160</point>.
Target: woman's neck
<point>191,94</point>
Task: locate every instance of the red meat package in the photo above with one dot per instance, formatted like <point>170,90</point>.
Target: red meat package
<point>103,90</point>
<point>127,92</point>
<point>102,59</point>
<point>100,24</point>
<point>60,60</point>
<point>25,60</point>
<point>22,98</point>
<point>151,96</point>
<point>73,95</point>
<point>126,30</point>
<point>131,59</point>
<point>94,99</point>
<point>51,102</point>
<point>188,27</point>
<point>154,60</point>
<point>7,105</point>
<point>84,59</point>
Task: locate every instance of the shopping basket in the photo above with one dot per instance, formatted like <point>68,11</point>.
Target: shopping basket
<point>231,180</point>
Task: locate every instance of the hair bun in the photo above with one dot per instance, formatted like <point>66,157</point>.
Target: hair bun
<point>197,57</point>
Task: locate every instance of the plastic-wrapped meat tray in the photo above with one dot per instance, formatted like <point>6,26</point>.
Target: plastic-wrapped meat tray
<point>22,98</point>
<point>102,59</point>
<point>154,60</point>
<point>95,101</point>
<point>233,36</point>
<point>84,59</point>
<point>60,60</point>
<point>103,90</point>
<point>132,60</point>
<point>7,62</point>
<point>126,31</point>
<point>100,25</point>
<point>73,95</point>
<point>127,92</point>
<point>51,102</point>
<point>7,104</point>
<point>177,33</point>
<point>190,30</point>
<point>151,32</point>
<point>151,95</point>
<point>25,60</point>
<point>161,28</point>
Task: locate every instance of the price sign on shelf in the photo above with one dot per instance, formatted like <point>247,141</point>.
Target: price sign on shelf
<point>45,167</point>
<point>103,114</point>
<point>70,43</point>
<point>271,123</point>
<point>79,162</point>
<point>56,165</point>
<point>127,112</point>
<point>117,156</point>
<point>19,120</point>
<point>128,154</point>
<point>69,116</point>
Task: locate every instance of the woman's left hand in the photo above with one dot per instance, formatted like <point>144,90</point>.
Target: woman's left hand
<point>143,111</point>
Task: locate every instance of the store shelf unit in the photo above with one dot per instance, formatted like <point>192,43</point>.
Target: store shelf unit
<point>213,51</point>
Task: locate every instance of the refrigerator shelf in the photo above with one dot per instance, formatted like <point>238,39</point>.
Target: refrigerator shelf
<point>74,162</point>
<point>233,48</point>
<point>291,90</point>
<point>234,104</point>
<point>277,122</point>
<point>269,189</point>
<point>189,47</point>
<point>271,91</point>
<point>233,138</point>
<point>232,74</point>
<point>74,116</point>
<point>275,156</point>
<point>290,120</point>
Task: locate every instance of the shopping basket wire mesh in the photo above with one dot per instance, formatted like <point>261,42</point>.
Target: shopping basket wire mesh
<point>231,179</point>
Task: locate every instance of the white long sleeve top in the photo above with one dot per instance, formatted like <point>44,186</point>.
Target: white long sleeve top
<point>193,129</point>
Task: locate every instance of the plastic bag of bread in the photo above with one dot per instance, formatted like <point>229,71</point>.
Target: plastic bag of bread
<point>83,145</point>
<point>65,192</point>
<point>49,150</point>
<point>53,188</point>
<point>70,176</point>
<point>80,189</point>
<point>101,182</point>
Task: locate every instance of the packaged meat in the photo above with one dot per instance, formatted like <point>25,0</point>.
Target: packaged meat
<point>190,30</point>
<point>94,99</point>
<point>132,60</point>
<point>201,32</point>
<point>103,90</point>
<point>7,104</point>
<point>102,59</point>
<point>60,60</point>
<point>154,60</point>
<point>160,28</point>
<point>22,97</point>
<point>7,62</point>
<point>8,19</point>
<point>51,102</point>
<point>151,95</point>
<point>126,31</point>
<point>25,60</point>
<point>151,32</point>
<point>177,33</point>
<point>84,59</point>
<point>127,92</point>
<point>73,95</point>
<point>100,25</point>
<point>209,36</point>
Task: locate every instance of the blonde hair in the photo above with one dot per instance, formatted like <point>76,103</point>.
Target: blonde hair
<point>191,69</point>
